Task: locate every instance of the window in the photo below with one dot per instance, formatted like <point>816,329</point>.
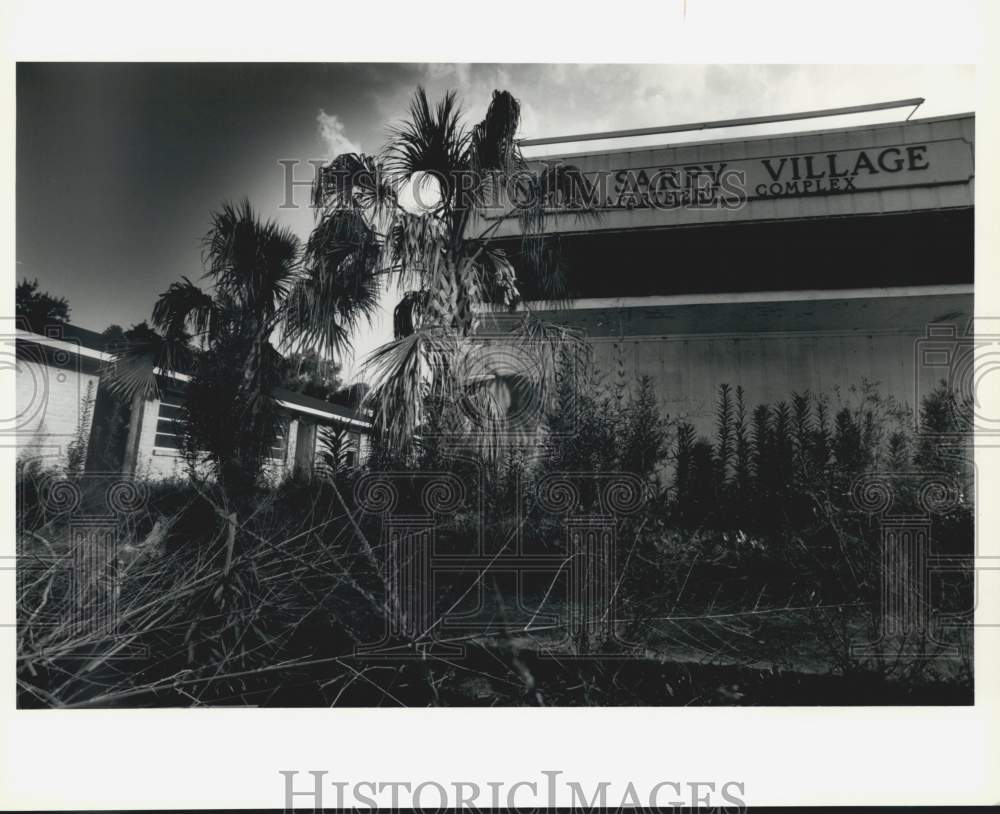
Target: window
<point>169,428</point>
<point>279,447</point>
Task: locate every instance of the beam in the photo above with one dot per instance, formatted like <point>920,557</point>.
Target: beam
<point>721,123</point>
<point>739,297</point>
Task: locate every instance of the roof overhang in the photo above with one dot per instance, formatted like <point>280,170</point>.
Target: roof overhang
<point>915,165</point>
<point>76,348</point>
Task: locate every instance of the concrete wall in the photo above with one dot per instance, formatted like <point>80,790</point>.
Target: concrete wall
<point>774,348</point>
<point>51,387</point>
<point>687,371</point>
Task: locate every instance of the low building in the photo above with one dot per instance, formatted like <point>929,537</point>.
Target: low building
<point>67,416</point>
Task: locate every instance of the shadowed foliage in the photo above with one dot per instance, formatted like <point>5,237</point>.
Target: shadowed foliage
<point>441,252</point>
<point>262,286</point>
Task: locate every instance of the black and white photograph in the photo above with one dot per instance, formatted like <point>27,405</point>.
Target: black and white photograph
<point>649,415</point>
<point>382,384</point>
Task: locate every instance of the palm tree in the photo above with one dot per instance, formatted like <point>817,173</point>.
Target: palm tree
<point>264,288</point>
<point>444,254</point>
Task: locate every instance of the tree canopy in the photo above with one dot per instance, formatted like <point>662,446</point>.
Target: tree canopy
<point>38,309</point>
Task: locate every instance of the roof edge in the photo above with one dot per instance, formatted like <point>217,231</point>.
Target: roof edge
<point>793,134</point>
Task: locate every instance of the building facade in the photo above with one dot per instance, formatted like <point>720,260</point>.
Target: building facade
<point>813,262</point>
<point>67,417</point>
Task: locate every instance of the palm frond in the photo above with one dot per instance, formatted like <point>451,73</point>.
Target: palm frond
<point>486,418</point>
<point>133,370</point>
<point>492,144</point>
<point>417,246</point>
<point>251,261</point>
<point>339,288</point>
<point>556,189</point>
<point>430,141</point>
<point>354,180</point>
<point>406,315</point>
<point>185,307</point>
<point>400,374</point>
<point>331,454</point>
<point>549,345</point>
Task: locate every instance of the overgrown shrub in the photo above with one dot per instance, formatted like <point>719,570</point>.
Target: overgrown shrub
<point>264,601</point>
<point>779,484</point>
<point>76,451</point>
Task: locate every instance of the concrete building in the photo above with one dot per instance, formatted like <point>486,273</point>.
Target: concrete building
<point>780,264</point>
<point>65,412</point>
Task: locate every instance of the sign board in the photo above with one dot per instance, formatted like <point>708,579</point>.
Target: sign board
<point>731,183</point>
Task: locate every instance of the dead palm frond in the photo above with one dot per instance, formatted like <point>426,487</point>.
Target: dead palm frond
<point>401,374</point>
<point>493,153</point>
<point>493,144</point>
<point>407,314</point>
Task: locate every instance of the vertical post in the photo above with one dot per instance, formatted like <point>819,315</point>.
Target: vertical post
<point>305,448</point>
<point>131,461</point>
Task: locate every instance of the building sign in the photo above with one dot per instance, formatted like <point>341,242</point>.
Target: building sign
<point>841,172</point>
<point>730,183</point>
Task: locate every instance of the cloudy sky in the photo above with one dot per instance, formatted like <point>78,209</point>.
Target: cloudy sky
<point>119,165</point>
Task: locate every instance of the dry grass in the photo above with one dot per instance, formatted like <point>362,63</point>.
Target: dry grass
<point>266,603</point>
